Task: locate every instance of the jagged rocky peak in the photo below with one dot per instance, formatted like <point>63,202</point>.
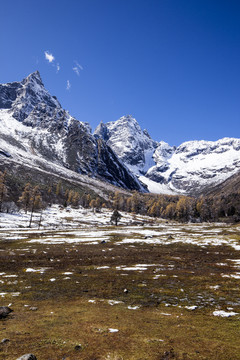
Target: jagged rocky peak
<point>126,125</point>
<point>35,129</point>
<point>33,78</point>
<point>101,131</point>
<point>196,165</point>
<point>22,97</point>
<point>188,169</point>
<point>31,94</point>
<point>132,145</point>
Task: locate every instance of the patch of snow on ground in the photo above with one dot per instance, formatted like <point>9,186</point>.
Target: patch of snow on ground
<point>40,270</point>
<point>193,307</point>
<point>114,302</point>
<point>133,307</point>
<point>111,330</point>
<point>223,313</point>
<point>69,225</point>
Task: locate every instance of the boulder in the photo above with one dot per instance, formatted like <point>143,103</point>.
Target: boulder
<point>4,341</point>
<point>4,311</point>
<point>27,357</point>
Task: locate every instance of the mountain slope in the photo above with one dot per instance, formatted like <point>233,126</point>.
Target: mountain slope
<point>196,166</point>
<point>132,145</point>
<point>192,168</point>
<point>228,187</point>
<point>37,132</point>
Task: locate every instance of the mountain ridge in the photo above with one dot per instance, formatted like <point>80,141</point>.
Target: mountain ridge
<point>191,168</point>
<point>36,130</point>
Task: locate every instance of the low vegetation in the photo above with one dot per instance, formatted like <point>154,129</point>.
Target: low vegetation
<point>118,300</point>
<point>111,285</point>
<point>32,196</point>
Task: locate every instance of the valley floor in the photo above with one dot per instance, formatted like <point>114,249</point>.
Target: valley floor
<point>82,288</point>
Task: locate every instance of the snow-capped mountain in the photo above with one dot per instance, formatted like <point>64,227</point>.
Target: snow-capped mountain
<point>130,143</point>
<point>195,166</point>
<point>191,168</point>
<point>36,131</point>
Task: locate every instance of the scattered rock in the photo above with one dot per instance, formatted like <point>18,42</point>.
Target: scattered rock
<point>27,357</point>
<point>125,291</point>
<point>4,341</point>
<point>103,242</point>
<point>170,237</point>
<point>33,308</point>
<point>78,347</point>
<point>4,311</point>
<point>168,355</point>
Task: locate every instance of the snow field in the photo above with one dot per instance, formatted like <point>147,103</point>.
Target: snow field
<point>79,226</point>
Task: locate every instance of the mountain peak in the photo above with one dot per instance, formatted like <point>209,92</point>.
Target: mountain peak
<point>128,119</point>
<point>34,77</point>
<point>25,96</point>
<point>131,144</point>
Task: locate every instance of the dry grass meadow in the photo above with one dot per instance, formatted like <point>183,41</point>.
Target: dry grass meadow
<point>118,300</point>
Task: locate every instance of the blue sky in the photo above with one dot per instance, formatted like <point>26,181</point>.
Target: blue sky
<point>173,64</point>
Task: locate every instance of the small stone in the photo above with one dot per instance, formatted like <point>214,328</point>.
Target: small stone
<point>170,237</point>
<point>33,308</point>
<point>27,357</point>
<point>78,347</point>
<point>125,291</point>
<point>4,311</point>
<point>4,341</point>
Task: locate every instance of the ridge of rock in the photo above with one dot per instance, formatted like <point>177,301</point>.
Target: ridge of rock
<point>35,128</point>
<point>191,168</point>
<point>129,142</point>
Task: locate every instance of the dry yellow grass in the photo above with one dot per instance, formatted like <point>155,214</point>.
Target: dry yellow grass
<point>68,326</point>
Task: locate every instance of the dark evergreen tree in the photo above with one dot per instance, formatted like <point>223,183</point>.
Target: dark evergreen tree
<point>116,216</point>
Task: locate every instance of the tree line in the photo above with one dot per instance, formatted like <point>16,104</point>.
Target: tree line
<point>181,208</point>
<point>174,207</point>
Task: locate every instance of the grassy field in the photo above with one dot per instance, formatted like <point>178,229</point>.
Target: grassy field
<point>131,296</point>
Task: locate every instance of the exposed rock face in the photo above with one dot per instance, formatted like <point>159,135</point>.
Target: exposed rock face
<point>195,166</point>
<point>130,143</point>
<point>35,130</point>
<point>34,127</point>
<point>191,168</point>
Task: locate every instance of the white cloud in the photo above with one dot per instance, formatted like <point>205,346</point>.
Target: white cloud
<point>58,67</point>
<point>49,56</point>
<point>77,68</point>
<point>68,85</point>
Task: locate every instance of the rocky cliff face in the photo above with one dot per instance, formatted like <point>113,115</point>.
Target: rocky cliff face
<point>130,143</point>
<point>191,168</point>
<point>35,130</point>
<point>34,127</point>
<point>195,166</point>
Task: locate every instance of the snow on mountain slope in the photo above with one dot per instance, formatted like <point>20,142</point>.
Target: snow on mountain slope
<point>191,168</point>
<point>34,129</point>
<point>197,165</point>
<point>37,132</point>
<point>130,143</point>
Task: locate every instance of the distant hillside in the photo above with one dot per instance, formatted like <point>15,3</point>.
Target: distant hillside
<point>228,187</point>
